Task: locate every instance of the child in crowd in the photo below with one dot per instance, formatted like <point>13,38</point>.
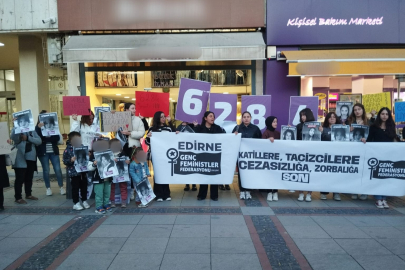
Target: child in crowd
<point>102,186</point>
<point>77,179</point>
<point>116,148</point>
<point>138,168</point>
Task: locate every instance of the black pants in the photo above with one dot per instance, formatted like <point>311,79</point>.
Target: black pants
<point>202,193</point>
<point>162,191</point>
<point>24,176</point>
<point>79,184</point>
<point>1,197</point>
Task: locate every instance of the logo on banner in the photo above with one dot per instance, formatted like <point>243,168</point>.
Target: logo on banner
<point>383,169</point>
<point>184,161</point>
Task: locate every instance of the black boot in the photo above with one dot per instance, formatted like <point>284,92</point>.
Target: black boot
<point>194,188</point>
<point>227,187</point>
<point>187,187</point>
<point>221,187</point>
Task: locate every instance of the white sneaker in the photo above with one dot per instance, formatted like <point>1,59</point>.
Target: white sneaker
<point>62,191</point>
<point>275,196</point>
<point>159,200</point>
<point>169,199</point>
<point>86,205</point>
<point>48,192</point>
<point>132,197</point>
<point>385,204</point>
<point>247,195</point>
<point>242,195</point>
<point>270,196</point>
<point>354,196</point>
<point>323,197</point>
<point>363,197</point>
<point>379,204</point>
<point>336,197</point>
<point>308,198</point>
<point>77,207</point>
<point>301,197</point>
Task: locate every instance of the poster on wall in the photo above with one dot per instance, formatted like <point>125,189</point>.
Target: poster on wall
<point>116,79</point>
<point>51,125</point>
<point>165,78</point>
<point>297,104</point>
<point>377,101</point>
<point>148,103</point>
<point>23,122</point>
<point>355,98</point>
<point>340,133</point>
<point>288,133</point>
<point>310,131</point>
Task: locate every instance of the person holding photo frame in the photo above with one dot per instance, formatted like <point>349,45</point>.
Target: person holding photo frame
<point>47,151</point>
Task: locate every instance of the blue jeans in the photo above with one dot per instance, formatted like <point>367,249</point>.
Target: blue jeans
<point>380,197</point>
<point>56,167</point>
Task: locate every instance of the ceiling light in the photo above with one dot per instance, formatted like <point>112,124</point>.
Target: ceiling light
<point>1,44</point>
<point>133,99</point>
<point>226,93</point>
<point>126,97</point>
<point>118,94</point>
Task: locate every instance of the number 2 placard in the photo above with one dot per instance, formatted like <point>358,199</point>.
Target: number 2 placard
<point>224,107</point>
<point>193,100</point>
<point>259,107</point>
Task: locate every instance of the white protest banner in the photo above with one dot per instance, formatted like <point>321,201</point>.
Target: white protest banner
<point>5,147</point>
<point>187,158</point>
<point>371,168</point>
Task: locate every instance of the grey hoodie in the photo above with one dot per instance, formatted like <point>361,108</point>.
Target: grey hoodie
<point>21,155</point>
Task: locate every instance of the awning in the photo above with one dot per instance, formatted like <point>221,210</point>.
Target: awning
<point>165,47</point>
<point>346,62</point>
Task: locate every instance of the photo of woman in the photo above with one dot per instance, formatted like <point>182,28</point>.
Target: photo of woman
<point>82,158</point>
<point>289,133</point>
<point>50,121</point>
<point>340,133</point>
<point>106,165</point>
<point>23,122</point>
<point>310,131</point>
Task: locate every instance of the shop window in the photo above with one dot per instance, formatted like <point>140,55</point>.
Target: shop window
<point>116,79</point>
<point>171,78</point>
<point>7,81</point>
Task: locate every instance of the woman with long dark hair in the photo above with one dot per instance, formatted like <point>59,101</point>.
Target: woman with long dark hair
<point>306,115</point>
<point>49,151</point>
<point>272,134</point>
<point>248,130</point>
<point>383,130</point>
<point>207,126</point>
<point>162,191</point>
<point>330,120</point>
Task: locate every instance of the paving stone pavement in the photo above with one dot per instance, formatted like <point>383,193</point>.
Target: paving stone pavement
<point>188,234</point>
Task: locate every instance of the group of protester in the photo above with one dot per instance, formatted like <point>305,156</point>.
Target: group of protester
<point>32,144</point>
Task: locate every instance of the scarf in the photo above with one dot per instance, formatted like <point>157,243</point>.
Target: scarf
<point>269,122</point>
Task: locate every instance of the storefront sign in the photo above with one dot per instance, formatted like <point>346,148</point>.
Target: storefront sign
<point>79,105</point>
<point>377,101</point>
<point>187,158</point>
<point>147,103</point>
<point>193,100</point>
<point>259,107</point>
<point>333,96</point>
<point>372,168</point>
<point>297,104</point>
<point>224,107</point>
<point>304,22</point>
<point>399,111</point>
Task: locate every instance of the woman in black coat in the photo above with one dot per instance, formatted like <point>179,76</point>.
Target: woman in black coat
<point>4,181</point>
<point>208,126</point>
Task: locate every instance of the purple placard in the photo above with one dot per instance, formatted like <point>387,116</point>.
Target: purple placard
<point>224,107</point>
<point>259,107</point>
<point>299,103</point>
<point>193,100</point>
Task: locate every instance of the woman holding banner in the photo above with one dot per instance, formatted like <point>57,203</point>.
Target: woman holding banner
<point>248,130</point>
<point>383,130</point>
<point>358,116</point>
<point>207,126</point>
<point>162,191</point>
<point>272,134</point>
<point>326,129</point>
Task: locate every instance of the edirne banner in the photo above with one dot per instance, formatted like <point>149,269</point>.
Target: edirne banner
<point>371,168</point>
<point>187,158</point>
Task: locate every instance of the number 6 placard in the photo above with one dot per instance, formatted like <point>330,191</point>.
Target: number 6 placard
<point>193,100</point>
<point>224,107</point>
<point>259,107</point>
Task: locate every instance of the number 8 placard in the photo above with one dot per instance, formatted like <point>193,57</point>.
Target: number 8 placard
<point>259,107</point>
<point>193,100</point>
